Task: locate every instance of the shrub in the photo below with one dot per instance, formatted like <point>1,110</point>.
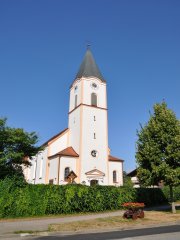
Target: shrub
<point>176,192</point>
<point>151,196</point>
<point>18,199</point>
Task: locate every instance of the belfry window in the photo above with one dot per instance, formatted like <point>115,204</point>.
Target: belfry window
<point>66,172</point>
<point>75,103</point>
<point>93,99</point>
<point>94,135</point>
<point>94,118</point>
<point>114,176</point>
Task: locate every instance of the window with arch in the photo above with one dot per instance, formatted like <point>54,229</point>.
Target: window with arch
<point>114,176</point>
<point>75,102</point>
<point>93,99</point>
<point>66,172</point>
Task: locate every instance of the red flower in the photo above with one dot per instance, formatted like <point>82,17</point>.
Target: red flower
<point>133,205</point>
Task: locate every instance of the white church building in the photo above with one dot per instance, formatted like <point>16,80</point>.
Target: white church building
<point>80,153</point>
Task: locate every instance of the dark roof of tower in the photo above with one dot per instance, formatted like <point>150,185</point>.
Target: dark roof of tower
<point>89,67</point>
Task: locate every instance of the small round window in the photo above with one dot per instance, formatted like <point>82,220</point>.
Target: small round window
<point>94,153</point>
<point>94,85</point>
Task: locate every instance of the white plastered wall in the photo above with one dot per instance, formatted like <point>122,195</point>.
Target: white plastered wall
<point>66,162</point>
<point>118,167</point>
<point>41,158</point>
<point>74,127</point>
<point>100,144</point>
<point>100,91</point>
<point>75,90</point>
<point>53,169</point>
<point>59,144</point>
<point>36,173</point>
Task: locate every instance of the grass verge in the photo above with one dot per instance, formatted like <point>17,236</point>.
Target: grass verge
<point>116,222</point>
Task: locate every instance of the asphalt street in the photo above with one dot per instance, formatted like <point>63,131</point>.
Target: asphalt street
<point>127,234</point>
<point>156,233</point>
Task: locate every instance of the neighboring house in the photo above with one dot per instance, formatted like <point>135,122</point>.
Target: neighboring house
<point>134,179</point>
<point>80,153</point>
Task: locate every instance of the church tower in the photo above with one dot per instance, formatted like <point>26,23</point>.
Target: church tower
<point>88,122</point>
<point>80,153</point>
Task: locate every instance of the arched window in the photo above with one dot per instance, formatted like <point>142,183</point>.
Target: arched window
<point>75,103</point>
<point>66,172</point>
<point>93,99</point>
<point>114,176</point>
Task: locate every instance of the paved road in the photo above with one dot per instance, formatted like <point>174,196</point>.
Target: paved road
<point>157,233</point>
<point>127,234</point>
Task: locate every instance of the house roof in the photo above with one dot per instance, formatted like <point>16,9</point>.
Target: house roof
<point>55,136</point>
<point>69,151</point>
<point>89,67</point>
<point>114,159</point>
<point>132,173</point>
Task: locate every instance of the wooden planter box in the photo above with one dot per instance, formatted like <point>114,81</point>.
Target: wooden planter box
<point>134,210</point>
<point>134,213</point>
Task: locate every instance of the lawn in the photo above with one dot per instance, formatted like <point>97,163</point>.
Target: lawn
<point>151,218</point>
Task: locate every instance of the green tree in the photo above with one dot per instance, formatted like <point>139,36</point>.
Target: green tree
<point>16,146</point>
<point>158,149</point>
<point>127,180</point>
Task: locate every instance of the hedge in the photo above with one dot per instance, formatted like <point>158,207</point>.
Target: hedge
<point>19,199</point>
<point>22,200</point>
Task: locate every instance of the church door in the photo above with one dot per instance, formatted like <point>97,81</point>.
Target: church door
<point>94,182</point>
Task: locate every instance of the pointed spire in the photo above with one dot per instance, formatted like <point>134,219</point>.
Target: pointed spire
<point>89,67</point>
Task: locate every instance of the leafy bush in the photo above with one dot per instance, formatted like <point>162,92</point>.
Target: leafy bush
<point>151,196</point>
<point>18,199</point>
<point>176,192</point>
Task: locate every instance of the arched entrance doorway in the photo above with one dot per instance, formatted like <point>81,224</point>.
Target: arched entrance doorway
<point>94,182</point>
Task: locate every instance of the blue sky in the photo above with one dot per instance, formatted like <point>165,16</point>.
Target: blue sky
<point>136,45</point>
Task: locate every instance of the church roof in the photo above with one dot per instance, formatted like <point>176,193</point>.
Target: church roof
<point>55,136</point>
<point>114,159</point>
<point>69,151</point>
<point>89,67</point>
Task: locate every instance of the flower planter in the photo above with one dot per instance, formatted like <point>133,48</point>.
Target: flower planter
<point>134,210</point>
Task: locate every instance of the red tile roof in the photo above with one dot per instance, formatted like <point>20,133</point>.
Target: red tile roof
<point>114,159</point>
<point>69,151</point>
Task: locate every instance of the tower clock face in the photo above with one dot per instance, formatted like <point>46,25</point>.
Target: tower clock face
<point>94,153</point>
<point>94,85</point>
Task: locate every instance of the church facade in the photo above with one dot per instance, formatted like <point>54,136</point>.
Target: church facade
<point>80,153</point>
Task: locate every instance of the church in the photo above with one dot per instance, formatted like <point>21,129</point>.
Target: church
<point>80,153</point>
